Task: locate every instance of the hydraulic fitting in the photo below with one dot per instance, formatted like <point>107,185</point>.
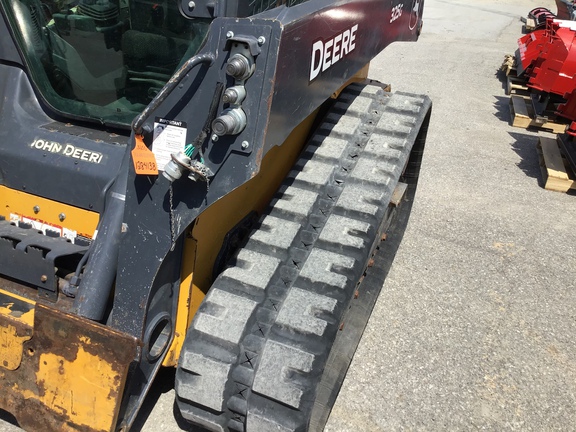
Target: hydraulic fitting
<point>183,164</point>
<point>177,166</point>
<point>234,95</point>
<point>231,122</point>
<point>239,67</point>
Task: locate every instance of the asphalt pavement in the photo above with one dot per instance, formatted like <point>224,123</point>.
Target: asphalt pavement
<point>475,326</point>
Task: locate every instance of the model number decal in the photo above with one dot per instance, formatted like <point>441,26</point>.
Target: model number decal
<point>67,150</point>
<point>396,12</point>
<point>329,52</point>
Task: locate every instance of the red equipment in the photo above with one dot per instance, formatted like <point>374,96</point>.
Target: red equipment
<point>547,58</point>
<point>529,48</point>
<point>555,68</point>
<point>539,16</point>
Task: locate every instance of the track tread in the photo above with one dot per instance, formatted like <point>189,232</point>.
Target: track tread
<point>276,311</point>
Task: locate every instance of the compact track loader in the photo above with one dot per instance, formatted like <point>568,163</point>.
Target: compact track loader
<point>208,185</point>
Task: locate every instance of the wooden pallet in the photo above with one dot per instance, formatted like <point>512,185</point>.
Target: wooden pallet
<point>530,25</point>
<point>515,85</point>
<point>556,174</point>
<point>523,116</point>
<point>509,65</point>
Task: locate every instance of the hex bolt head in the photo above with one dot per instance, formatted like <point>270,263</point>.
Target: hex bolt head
<point>62,216</point>
<point>245,144</point>
<point>229,34</point>
<point>43,278</point>
<point>214,137</point>
<point>191,5</point>
<point>36,209</point>
<point>261,40</point>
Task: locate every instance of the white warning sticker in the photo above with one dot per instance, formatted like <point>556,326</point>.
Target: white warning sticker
<point>45,228</point>
<point>169,137</point>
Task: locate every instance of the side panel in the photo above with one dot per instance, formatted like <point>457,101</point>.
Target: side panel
<point>66,165</point>
<point>321,49</point>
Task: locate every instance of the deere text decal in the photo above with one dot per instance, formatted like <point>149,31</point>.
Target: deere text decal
<point>67,150</point>
<point>328,52</point>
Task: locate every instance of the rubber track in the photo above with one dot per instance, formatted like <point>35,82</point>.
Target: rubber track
<point>258,345</point>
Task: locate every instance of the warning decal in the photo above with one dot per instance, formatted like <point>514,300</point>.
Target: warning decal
<point>169,137</point>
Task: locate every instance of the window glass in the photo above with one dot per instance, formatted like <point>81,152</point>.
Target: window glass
<point>103,59</point>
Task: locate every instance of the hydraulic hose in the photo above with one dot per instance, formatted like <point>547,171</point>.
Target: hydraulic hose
<point>169,87</point>
<point>98,278</point>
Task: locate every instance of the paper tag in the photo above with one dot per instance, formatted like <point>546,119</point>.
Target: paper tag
<point>169,138</point>
<point>144,159</point>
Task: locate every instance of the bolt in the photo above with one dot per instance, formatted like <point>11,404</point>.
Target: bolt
<point>214,137</point>
<point>62,216</point>
<point>36,209</point>
<point>191,5</point>
<point>245,144</point>
<point>261,40</point>
<point>230,34</point>
<point>43,278</point>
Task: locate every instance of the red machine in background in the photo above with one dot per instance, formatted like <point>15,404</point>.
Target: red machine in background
<point>547,60</point>
<point>544,77</point>
<point>537,17</point>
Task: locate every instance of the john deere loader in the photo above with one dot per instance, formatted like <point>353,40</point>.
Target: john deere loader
<point>208,185</point>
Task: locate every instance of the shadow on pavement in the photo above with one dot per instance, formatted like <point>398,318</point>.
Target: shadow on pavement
<point>525,146</point>
<point>502,106</point>
<point>163,383</point>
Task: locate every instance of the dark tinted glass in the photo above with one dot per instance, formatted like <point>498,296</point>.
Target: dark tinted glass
<point>103,59</point>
